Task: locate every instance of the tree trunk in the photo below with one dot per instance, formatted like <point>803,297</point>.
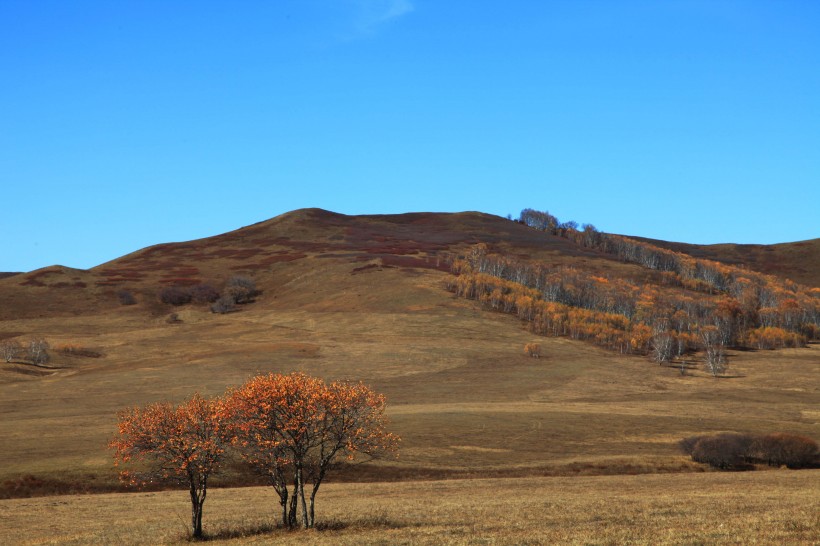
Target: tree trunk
<point>196,511</point>
<point>283,500</point>
<point>313,492</point>
<point>312,516</point>
<point>294,500</point>
<point>302,500</point>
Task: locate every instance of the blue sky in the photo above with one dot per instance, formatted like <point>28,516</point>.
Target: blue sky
<point>130,123</point>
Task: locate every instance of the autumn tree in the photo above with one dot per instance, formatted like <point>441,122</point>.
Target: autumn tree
<point>662,343</point>
<point>533,350</point>
<point>9,349</point>
<point>294,429</point>
<point>715,354</point>
<point>183,443</point>
<point>38,351</point>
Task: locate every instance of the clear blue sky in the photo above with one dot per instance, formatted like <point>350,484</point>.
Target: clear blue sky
<point>129,123</point>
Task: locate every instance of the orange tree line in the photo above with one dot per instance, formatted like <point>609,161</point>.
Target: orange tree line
<point>756,310</point>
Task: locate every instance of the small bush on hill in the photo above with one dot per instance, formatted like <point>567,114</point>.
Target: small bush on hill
<point>126,297</point>
<point>175,295</point>
<point>204,293</point>
<point>241,289</point>
<point>223,305</point>
<point>533,350</point>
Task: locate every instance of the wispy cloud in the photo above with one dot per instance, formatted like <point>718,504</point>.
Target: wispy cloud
<point>373,14</point>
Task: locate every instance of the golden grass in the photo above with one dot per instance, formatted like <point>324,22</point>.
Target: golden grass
<point>461,393</point>
<point>772,507</point>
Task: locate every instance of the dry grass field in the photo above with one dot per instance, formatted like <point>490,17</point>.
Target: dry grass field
<point>772,507</point>
<point>365,301</point>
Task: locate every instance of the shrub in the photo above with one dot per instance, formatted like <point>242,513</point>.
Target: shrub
<point>687,445</point>
<point>204,293</point>
<point>723,450</point>
<point>175,295</point>
<point>533,350</point>
<point>241,289</point>
<point>780,448</point>
<point>126,297</point>
<point>223,305</point>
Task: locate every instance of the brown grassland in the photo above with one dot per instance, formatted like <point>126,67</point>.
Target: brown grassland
<point>575,446</point>
<point>772,507</point>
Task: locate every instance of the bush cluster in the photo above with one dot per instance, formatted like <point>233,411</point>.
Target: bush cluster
<point>238,290</point>
<point>175,295</point>
<point>739,451</point>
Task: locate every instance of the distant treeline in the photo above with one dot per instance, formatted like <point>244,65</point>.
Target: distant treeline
<point>695,303</point>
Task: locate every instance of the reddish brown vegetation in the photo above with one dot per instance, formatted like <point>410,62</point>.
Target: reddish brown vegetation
<point>740,451</point>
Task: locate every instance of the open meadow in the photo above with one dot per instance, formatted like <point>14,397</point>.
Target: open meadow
<point>771,507</point>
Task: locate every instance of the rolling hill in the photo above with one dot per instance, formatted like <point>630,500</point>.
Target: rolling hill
<point>363,297</point>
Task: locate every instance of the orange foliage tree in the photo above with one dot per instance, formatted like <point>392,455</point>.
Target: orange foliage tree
<point>185,443</point>
<point>294,428</point>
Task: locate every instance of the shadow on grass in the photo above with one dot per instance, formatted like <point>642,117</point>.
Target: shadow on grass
<point>376,521</point>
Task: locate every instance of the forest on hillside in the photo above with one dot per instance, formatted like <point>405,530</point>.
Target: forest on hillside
<point>686,304</point>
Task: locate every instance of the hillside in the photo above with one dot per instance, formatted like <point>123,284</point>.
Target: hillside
<point>798,261</point>
<point>364,298</point>
<point>277,251</point>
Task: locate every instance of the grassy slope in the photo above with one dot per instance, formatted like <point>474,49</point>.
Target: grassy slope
<point>360,298</point>
<point>339,300</point>
<point>798,261</point>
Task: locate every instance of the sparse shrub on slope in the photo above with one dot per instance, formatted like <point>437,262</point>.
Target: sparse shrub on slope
<point>223,305</point>
<point>126,297</point>
<point>241,289</point>
<point>175,295</point>
<point>204,293</point>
